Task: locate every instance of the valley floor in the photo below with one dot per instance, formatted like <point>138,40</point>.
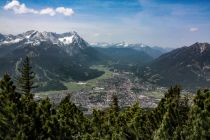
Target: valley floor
<point>97,93</point>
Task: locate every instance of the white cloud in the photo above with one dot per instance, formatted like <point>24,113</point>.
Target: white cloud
<point>48,11</point>
<point>65,11</point>
<point>194,29</point>
<point>19,8</point>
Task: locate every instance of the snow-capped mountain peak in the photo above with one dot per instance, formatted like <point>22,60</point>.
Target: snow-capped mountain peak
<point>32,36</point>
<point>202,46</point>
<point>70,42</point>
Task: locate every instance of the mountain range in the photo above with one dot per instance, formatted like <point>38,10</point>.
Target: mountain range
<point>58,58</point>
<point>125,56</point>
<point>153,52</point>
<point>55,57</point>
<point>188,66</point>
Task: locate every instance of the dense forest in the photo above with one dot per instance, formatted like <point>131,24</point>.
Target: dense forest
<point>21,117</point>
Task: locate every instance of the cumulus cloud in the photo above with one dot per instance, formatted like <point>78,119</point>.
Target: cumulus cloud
<point>19,8</point>
<point>47,11</point>
<point>65,11</point>
<point>194,29</point>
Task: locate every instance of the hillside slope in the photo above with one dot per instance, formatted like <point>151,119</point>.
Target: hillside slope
<point>188,66</point>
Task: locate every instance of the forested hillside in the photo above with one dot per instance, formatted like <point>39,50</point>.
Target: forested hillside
<point>188,66</point>
<point>22,117</point>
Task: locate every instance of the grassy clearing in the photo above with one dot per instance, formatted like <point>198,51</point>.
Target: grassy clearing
<point>47,93</point>
<point>74,86</point>
<point>106,75</point>
<point>155,94</point>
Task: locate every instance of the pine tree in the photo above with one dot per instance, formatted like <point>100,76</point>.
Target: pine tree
<point>198,126</point>
<point>171,117</point>
<point>135,119</point>
<point>72,121</point>
<point>46,122</point>
<point>98,124</point>
<point>26,77</point>
<point>154,118</point>
<point>8,90</point>
<point>114,106</point>
<point>9,103</point>
<point>27,115</point>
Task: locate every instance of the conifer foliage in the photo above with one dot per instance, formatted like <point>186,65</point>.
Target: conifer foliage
<point>26,77</point>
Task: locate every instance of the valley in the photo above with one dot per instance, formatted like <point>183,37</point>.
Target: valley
<point>97,93</point>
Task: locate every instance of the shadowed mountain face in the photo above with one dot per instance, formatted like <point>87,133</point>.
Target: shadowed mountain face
<point>125,56</point>
<point>54,56</point>
<point>188,66</point>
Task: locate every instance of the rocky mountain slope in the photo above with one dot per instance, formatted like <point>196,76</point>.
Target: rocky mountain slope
<point>188,66</point>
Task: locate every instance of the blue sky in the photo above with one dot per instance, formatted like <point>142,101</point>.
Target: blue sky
<point>166,23</point>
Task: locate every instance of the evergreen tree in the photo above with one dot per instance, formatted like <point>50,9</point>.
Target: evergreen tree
<point>99,125</point>
<point>198,126</point>
<point>27,116</point>
<point>46,122</point>
<point>114,106</point>
<point>26,77</point>
<point>72,122</point>
<point>135,123</point>
<point>171,118</point>
<point>9,103</point>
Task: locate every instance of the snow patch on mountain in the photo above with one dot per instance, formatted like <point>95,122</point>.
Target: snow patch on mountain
<point>203,47</point>
<point>119,45</point>
<point>66,40</point>
<point>12,41</point>
<point>122,44</point>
